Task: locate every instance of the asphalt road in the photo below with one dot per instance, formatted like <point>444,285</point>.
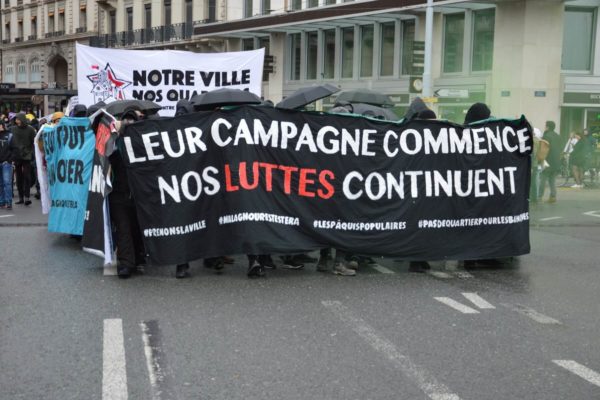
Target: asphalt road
<point>530,331</point>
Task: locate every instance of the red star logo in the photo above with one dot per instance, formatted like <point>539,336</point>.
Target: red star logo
<point>106,84</point>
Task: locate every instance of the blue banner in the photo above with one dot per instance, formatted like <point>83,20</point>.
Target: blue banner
<point>69,152</point>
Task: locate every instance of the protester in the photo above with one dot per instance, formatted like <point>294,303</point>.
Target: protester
<point>538,157</point>
<point>23,136</point>
<point>549,173</point>
<point>580,157</point>
<point>130,248</point>
<point>6,168</point>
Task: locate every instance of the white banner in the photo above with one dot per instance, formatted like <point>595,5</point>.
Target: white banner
<point>163,76</point>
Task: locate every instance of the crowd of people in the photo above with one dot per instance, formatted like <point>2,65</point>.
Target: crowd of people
<point>17,133</point>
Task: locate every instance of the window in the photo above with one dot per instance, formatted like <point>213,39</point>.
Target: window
<point>189,8</point>
<point>388,31</point>
<point>61,22</point>
<point>34,26</point>
<point>129,18</point>
<point>265,7</point>
<point>82,17</point>
<point>21,72</point>
<point>148,16</point>
<point>366,50</point>
<point>7,32</point>
<point>247,8</point>
<point>9,72</point>
<point>112,22</point>
<point>20,29</point>
<point>328,53</point>
<point>312,3</point>
<point>296,4</point>
<point>212,10</point>
<point>454,28</point>
<point>51,23</point>
<point>295,56</point>
<point>347,52</point>
<point>329,2</point>
<point>483,40</point>
<point>312,43</point>
<point>578,39</point>
<point>408,38</point>
<point>35,73</point>
<point>167,9</point>
<point>247,44</point>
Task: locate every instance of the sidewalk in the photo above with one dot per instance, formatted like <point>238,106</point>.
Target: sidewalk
<point>22,215</point>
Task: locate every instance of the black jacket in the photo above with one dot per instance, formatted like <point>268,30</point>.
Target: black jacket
<point>555,152</point>
<point>6,147</point>
<point>23,137</point>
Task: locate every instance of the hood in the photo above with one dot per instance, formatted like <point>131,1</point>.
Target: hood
<point>184,106</point>
<point>477,112</point>
<point>416,106</point>
<point>21,117</point>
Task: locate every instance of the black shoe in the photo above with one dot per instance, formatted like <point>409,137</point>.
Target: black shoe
<point>27,202</point>
<point>419,266</point>
<point>19,202</point>
<point>182,271</point>
<point>123,272</point>
<point>255,270</point>
<point>37,196</point>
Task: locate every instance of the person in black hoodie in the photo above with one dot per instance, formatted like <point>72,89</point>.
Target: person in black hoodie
<point>23,136</point>
<point>6,167</point>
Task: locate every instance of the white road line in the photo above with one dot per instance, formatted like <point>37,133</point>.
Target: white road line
<point>439,274</point>
<point>6,216</point>
<point>550,218</point>
<point>456,305</point>
<point>478,301</point>
<point>114,373</point>
<point>382,269</point>
<point>424,380</point>
<point>580,370</point>
<point>534,315</point>
<point>593,213</point>
<point>160,381</point>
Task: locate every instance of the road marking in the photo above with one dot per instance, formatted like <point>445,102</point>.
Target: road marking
<point>160,382</point>
<point>425,381</point>
<point>456,305</point>
<point>6,216</point>
<point>382,269</point>
<point>593,213</point>
<point>439,274</point>
<point>114,373</point>
<point>478,301</point>
<point>534,315</point>
<point>550,218</point>
<point>580,370</point>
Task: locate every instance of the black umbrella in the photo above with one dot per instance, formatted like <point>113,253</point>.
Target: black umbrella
<point>223,97</point>
<point>119,107</point>
<point>307,95</point>
<point>369,110</point>
<point>365,96</point>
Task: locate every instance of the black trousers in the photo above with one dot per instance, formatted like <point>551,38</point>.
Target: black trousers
<point>23,172</point>
<point>130,247</point>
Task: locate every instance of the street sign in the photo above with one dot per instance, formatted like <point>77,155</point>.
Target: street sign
<point>460,93</point>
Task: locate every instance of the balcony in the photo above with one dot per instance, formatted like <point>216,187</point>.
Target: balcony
<point>81,29</point>
<point>32,37</point>
<point>6,41</point>
<point>158,34</point>
<point>54,34</point>
<point>18,39</point>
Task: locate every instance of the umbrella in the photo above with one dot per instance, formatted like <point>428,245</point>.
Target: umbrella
<point>223,97</point>
<point>307,95</point>
<point>369,110</point>
<point>119,107</point>
<point>365,96</point>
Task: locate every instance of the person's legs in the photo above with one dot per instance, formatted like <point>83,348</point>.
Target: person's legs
<point>552,185</point>
<point>575,171</point>
<point>324,259</point>
<point>339,264</point>
<point>26,181</point>
<point>19,174</point>
<point>126,255</point>
<point>6,172</point>
<point>533,189</point>
<point>255,269</point>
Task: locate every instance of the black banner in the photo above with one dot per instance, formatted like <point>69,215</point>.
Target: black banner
<point>260,180</point>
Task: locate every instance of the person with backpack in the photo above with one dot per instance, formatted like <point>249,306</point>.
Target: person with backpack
<point>23,136</point>
<point>6,167</point>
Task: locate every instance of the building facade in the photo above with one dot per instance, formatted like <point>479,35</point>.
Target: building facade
<point>540,58</point>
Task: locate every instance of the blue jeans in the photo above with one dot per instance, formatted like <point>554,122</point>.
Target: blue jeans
<point>6,174</point>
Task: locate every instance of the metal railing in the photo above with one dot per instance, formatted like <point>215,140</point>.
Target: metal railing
<point>157,34</point>
<point>32,37</point>
<point>81,29</point>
